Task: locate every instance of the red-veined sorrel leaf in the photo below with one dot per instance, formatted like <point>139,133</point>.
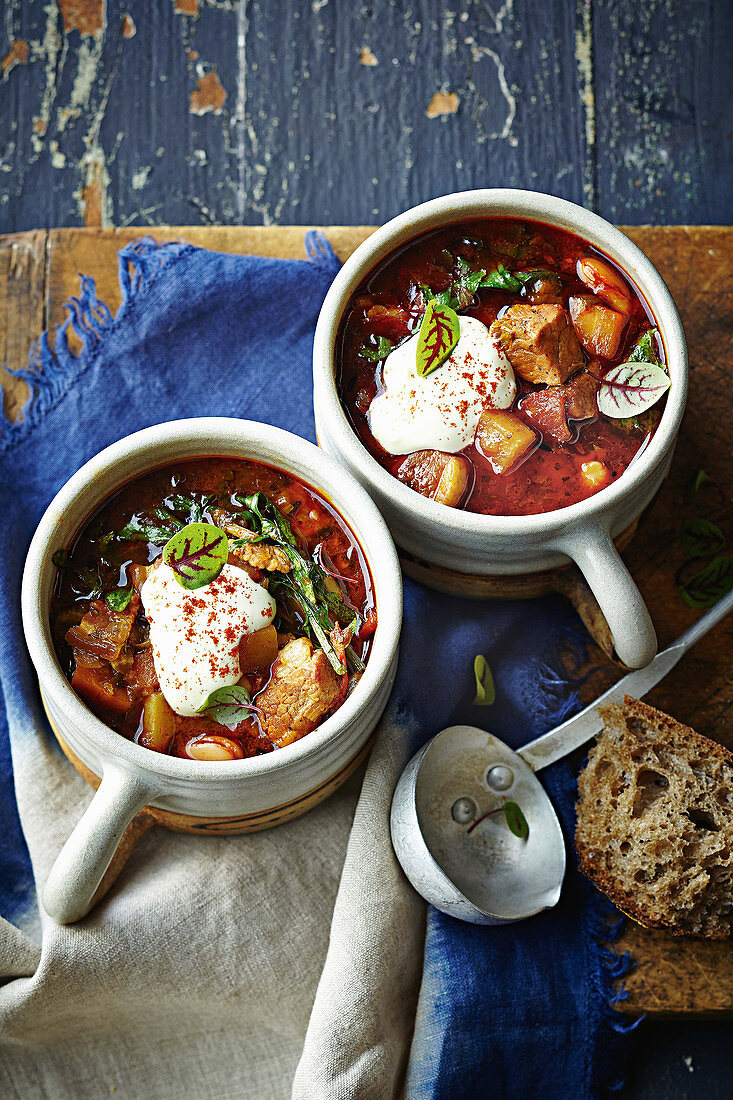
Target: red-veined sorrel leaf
<point>702,539</point>
<point>515,819</point>
<point>229,706</point>
<point>485,689</point>
<point>197,554</point>
<point>712,582</point>
<point>631,388</point>
<point>440,331</point>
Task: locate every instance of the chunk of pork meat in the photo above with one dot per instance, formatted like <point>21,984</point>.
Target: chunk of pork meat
<point>539,342</point>
<point>302,690</point>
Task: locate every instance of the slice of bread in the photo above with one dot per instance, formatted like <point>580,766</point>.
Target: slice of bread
<point>655,822</point>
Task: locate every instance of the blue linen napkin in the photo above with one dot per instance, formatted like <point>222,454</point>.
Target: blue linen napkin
<point>525,1009</point>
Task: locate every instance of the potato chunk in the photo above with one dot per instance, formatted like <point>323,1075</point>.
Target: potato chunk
<point>599,328</point>
<point>434,474</point>
<point>605,282</point>
<point>539,342</point>
<point>159,723</point>
<point>453,481</point>
<point>258,650</point>
<point>503,439</point>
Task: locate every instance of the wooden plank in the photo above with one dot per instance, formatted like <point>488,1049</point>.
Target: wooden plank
<point>671,976</point>
<point>22,312</point>
<point>270,111</point>
<point>663,84</point>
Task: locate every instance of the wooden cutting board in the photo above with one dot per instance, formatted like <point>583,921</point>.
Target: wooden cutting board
<point>39,271</point>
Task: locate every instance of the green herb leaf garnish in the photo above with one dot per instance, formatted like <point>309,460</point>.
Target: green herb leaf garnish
<point>516,820</point>
<point>197,554</point>
<point>485,689</point>
<point>701,538</point>
<point>142,530</point>
<point>381,351</point>
<point>645,349</point>
<point>88,578</point>
<point>229,706</point>
<point>305,583</point>
<point>712,582</point>
<point>118,598</point>
<point>440,331</point>
<point>501,280</point>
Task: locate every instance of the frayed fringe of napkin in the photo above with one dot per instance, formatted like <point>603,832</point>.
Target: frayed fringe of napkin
<point>53,366</point>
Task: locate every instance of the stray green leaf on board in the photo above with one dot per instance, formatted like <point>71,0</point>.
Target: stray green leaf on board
<point>712,582</point>
<point>485,688</point>
<point>702,539</point>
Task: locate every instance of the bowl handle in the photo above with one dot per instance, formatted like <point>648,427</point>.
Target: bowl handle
<point>86,855</point>
<point>593,551</point>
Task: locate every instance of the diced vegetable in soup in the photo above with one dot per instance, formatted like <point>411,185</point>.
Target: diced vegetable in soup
<point>489,399</point>
<point>215,609</point>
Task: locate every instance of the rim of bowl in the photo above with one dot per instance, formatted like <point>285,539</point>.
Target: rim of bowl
<point>239,438</point>
<point>464,206</point>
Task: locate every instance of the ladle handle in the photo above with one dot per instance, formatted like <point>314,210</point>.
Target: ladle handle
<point>587,723</point>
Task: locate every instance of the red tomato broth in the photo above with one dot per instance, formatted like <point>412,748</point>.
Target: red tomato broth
<point>315,523</point>
<point>549,477</point>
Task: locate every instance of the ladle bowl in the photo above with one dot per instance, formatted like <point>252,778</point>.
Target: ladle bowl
<point>470,869</point>
<point>449,833</point>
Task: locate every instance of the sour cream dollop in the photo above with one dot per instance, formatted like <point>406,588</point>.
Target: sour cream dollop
<point>195,635</point>
<point>442,410</point>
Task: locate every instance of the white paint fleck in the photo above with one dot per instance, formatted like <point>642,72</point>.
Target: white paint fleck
<point>58,160</point>
<point>688,1062</point>
<point>584,62</point>
<point>140,178</point>
<point>87,64</point>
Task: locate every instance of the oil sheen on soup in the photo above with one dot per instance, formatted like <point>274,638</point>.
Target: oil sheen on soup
<point>509,424</point>
<point>214,609</point>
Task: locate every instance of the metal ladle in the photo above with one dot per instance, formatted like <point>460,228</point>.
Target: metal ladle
<point>479,871</point>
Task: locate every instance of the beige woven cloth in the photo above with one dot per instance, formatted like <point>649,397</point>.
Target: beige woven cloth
<point>285,962</point>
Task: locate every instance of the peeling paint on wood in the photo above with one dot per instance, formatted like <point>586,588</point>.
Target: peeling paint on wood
<point>442,103</point>
<point>17,55</point>
<point>208,95</point>
<point>610,103</point>
<point>85,16</point>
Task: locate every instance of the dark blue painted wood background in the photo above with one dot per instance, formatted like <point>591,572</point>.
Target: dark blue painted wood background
<point>339,111</point>
<point>262,111</point>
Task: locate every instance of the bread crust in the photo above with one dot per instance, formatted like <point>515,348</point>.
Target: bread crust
<point>678,738</point>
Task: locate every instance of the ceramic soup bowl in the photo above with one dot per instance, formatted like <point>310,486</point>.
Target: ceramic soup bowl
<point>494,545</point>
<point>191,795</point>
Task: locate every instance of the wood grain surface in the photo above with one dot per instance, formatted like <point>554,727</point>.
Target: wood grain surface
<point>214,112</point>
<point>39,270</point>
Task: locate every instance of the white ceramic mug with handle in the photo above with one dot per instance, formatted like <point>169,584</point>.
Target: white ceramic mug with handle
<point>191,795</point>
<point>490,545</point>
